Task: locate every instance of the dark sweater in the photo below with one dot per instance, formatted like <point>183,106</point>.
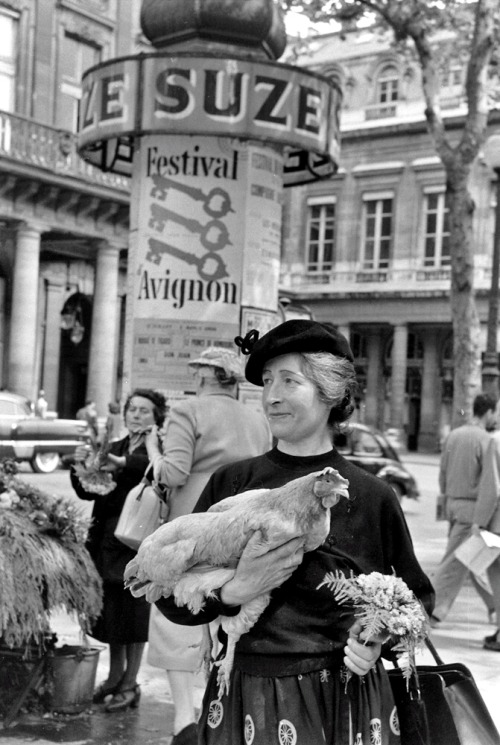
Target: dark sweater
<point>303,628</point>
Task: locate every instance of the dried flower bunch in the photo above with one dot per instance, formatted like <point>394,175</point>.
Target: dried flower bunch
<point>384,604</point>
<point>44,564</point>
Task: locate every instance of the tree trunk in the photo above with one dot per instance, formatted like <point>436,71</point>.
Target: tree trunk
<point>465,320</point>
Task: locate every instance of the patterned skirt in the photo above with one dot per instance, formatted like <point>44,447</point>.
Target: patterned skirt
<point>315,708</point>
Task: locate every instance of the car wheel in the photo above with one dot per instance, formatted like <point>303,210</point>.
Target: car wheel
<point>398,490</point>
<point>45,462</point>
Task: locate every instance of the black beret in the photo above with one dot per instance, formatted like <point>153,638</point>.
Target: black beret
<point>297,335</point>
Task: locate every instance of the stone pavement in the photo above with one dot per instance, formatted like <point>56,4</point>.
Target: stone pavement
<point>149,724</point>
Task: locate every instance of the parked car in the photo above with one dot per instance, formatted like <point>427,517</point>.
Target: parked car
<point>370,449</point>
<point>25,436</point>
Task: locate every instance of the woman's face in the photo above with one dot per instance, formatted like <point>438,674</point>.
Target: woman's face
<point>140,414</point>
<point>294,410</point>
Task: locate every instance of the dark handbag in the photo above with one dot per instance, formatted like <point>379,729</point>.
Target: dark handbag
<point>442,706</point>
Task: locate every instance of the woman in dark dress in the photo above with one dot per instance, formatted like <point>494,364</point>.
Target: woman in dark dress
<point>123,623</point>
<point>302,674</point>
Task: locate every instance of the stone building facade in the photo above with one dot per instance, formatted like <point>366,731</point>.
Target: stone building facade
<point>63,224</point>
<point>368,250</point>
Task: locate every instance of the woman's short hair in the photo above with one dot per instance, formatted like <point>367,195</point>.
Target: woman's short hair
<point>157,399</point>
<point>335,381</point>
<point>223,378</point>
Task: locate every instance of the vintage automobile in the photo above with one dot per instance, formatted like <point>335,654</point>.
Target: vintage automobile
<point>371,450</point>
<point>25,436</point>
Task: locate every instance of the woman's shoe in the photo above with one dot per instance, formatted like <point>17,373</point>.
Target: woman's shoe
<point>491,642</point>
<point>187,736</point>
<point>124,698</point>
<point>104,690</point>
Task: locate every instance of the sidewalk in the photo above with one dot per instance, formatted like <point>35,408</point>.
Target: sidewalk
<point>149,724</point>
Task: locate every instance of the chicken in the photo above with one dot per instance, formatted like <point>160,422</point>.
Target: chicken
<point>196,554</point>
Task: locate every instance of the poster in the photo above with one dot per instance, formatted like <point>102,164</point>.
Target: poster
<point>264,198</point>
<point>162,349</point>
<point>205,229</point>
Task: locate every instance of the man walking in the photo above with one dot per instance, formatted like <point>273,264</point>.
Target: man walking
<point>487,517</point>
<point>459,475</point>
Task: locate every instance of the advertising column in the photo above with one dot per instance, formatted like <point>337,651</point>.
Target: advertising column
<point>210,143</point>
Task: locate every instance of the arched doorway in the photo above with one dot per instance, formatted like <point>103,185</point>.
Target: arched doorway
<point>76,320</point>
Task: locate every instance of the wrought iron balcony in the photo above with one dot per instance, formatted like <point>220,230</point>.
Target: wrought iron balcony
<point>28,142</point>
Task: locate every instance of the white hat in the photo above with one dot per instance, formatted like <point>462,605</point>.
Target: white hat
<point>221,357</point>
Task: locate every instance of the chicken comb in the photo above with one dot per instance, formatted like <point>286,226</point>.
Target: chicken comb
<point>247,343</point>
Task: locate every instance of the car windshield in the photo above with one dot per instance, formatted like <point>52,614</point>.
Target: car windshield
<point>365,442</point>
<point>14,408</point>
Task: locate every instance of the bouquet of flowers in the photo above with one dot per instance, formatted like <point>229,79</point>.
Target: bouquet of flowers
<point>91,473</point>
<point>384,604</point>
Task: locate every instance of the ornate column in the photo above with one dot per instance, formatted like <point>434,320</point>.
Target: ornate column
<point>430,401</point>
<point>398,380</point>
<point>23,321</point>
<point>374,381</point>
<point>102,370</point>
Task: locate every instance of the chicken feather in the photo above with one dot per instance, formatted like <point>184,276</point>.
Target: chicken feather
<point>196,554</point>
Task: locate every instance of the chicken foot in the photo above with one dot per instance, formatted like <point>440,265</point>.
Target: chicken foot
<point>235,627</point>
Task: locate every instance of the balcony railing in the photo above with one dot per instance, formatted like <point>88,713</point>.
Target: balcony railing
<point>389,280</point>
<point>29,142</point>
<point>380,111</point>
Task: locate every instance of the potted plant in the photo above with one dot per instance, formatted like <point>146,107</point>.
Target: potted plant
<point>44,567</point>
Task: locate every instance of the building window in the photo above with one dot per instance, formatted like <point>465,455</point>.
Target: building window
<point>76,57</point>
<point>388,85</point>
<point>8,56</point>
<point>452,77</point>
<point>377,231</point>
<point>320,234</point>
<point>436,230</point>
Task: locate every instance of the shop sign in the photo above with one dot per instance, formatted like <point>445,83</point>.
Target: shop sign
<point>199,95</point>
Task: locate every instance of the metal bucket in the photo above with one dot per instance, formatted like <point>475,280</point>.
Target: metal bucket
<point>72,672</point>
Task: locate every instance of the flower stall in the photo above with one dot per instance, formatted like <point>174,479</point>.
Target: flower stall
<point>44,567</point>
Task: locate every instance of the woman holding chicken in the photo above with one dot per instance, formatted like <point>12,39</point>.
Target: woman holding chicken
<point>202,433</point>
<point>292,679</point>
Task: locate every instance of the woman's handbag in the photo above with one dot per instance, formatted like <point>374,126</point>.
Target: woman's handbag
<point>145,509</point>
<point>442,706</point>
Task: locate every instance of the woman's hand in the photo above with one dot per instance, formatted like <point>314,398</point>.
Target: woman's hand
<point>152,441</point>
<point>114,462</point>
<point>262,567</point>
<point>361,654</point>
<point>82,451</point>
